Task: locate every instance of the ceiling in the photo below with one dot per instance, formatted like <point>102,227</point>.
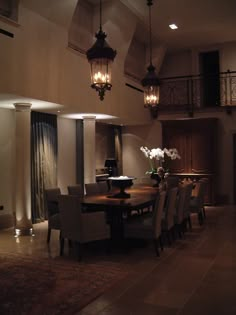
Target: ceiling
<point>202,22</point>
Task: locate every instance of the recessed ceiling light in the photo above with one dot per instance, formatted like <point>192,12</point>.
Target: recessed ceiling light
<point>173,26</point>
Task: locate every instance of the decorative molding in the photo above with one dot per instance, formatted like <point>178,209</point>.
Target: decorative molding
<point>9,21</point>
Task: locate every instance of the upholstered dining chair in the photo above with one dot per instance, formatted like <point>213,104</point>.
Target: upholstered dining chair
<point>171,182</point>
<point>92,189</point>
<point>51,202</point>
<point>187,214</point>
<point>148,226</point>
<point>75,190</point>
<point>197,202</point>
<point>167,223</point>
<point>79,227</point>
<point>179,215</point>
<point>103,187</point>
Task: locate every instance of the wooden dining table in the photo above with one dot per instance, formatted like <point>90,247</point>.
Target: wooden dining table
<point>116,209</point>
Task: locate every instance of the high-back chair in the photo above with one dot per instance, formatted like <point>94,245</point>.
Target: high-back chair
<point>103,187</point>
<point>75,190</point>
<point>167,223</point>
<point>188,194</point>
<point>197,202</point>
<point>148,226</point>
<point>171,182</point>
<point>79,227</point>
<point>91,189</point>
<point>51,200</point>
<point>179,215</point>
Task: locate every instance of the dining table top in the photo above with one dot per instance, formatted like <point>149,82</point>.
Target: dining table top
<point>141,196</point>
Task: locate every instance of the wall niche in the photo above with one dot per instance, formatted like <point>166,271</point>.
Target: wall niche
<point>196,142</point>
<point>9,9</point>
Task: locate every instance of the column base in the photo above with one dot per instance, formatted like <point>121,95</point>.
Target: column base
<point>24,232</point>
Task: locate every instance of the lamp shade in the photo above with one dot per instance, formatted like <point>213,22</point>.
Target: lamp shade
<point>110,163</point>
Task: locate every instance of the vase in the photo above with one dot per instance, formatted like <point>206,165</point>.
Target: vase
<point>156,178</point>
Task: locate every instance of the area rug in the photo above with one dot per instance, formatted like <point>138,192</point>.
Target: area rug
<point>40,286</point>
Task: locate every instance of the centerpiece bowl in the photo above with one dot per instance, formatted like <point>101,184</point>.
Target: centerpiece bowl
<point>122,182</point>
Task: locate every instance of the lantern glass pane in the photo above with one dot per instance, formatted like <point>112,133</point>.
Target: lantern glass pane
<point>151,95</point>
<point>100,71</point>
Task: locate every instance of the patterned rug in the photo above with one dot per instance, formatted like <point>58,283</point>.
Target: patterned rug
<point>39,286</point>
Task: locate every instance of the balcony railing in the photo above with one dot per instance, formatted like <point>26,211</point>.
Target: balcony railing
<point>192,93</point>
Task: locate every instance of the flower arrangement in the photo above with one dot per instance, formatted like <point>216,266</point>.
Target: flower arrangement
<point>157,157</point>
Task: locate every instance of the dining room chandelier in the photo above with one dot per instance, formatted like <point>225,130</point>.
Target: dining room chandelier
<point>100,56</point>
<point>151,82</point>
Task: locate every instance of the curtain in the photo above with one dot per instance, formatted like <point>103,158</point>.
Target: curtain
<point>118,148</point>
<point>80,152</point>
<point>43,161</point>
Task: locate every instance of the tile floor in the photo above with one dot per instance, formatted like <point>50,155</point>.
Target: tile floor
<point>196,276</point>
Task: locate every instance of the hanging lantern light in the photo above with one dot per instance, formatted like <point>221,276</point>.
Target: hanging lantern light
<point>100,57</point>
<point>151,82</point>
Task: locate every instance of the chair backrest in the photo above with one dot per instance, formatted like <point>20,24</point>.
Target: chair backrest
<point>180,204</point>
<point>171,182</point>
<point>51,200</point>
<point>170,208</point>
<point>92,189</point>
<point>158,212</point>
<point>51,194</point>
<point>103,187</point>
<point>70,216</point>
<point>201,192</point>
<point>188,193</point>
<point>75,190</point>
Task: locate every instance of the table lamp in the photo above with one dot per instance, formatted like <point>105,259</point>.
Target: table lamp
<point>110,164</point>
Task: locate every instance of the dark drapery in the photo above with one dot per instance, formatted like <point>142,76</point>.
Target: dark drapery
<point>80,152</point>
<point>43,161</point>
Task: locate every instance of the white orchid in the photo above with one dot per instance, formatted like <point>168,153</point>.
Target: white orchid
<point>157,154</point>
<point>146,151</point>
<point>172,153</point>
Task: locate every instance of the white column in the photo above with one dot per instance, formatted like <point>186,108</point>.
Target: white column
<point>89,149</point>
<point>23,225</point>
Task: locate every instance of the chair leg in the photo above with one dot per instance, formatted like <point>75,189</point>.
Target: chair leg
<point>108,246</point>
<point>169,240</point>
<point>204,212</point>
<point>49,235</point>
<point>190,223</point>
<point>156,247</point>
<point>200,217</point>
<point>161,242</point>
<point>182,227</point>
<point>172,231</point>
<point>79,251</point>
<point>62,241</point>
<point>180,231</point>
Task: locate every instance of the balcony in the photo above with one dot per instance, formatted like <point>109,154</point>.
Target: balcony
<point>199,93</point>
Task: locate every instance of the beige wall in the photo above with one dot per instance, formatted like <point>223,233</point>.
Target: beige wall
<point>176,64</point>
<point>66,174</point>
<point>7,166</point>
<point>7,159</point>
<point>187,62</point>
<point>133,137</point>
<point>104,144</point>
<point>37,63</point>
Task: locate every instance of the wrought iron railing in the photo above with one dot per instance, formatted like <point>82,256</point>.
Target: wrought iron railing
<point>199,91</point>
